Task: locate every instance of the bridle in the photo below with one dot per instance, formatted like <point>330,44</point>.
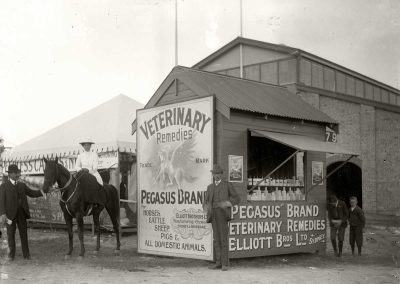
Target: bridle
<point>63,189</point>
<point>54,179</point>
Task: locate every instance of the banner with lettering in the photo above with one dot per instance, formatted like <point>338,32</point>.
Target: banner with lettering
<point>271,228</point>
<point>174,159</point>
<point>36,166</point>
<point>48,210</point>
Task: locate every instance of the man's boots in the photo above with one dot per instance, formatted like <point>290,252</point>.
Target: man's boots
<point>340,249</point>
<point>334,246</point>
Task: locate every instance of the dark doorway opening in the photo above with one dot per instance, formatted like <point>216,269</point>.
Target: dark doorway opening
<point>345,182</point>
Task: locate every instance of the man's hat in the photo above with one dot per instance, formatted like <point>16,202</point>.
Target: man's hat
<point>13,169</point>
<point>217,169</point>
<point>333,198</point>
<point>87,141</point>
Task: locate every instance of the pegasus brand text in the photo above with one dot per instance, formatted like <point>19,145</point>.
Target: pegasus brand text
<point>172,197</point>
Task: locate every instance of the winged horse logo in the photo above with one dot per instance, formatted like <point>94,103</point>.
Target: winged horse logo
<point>176,164</point>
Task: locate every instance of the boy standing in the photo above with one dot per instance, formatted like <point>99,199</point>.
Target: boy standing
<point>357,224</point>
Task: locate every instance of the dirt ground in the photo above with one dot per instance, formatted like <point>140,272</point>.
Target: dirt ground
<point>379,264</point>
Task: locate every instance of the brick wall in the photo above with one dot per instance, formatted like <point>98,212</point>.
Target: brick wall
<point>357,133</point>
<point>348,116</point>
<point>367,146</point>
<point>311,98</point>
<point>375,134</point>
<point>388,162</point>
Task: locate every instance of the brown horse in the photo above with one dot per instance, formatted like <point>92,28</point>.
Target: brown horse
<point>74,203</point>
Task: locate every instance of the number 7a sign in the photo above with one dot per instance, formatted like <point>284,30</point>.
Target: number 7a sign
<point>330,135</point>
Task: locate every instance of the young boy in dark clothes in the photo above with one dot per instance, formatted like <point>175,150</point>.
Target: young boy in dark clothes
<point>357,224</point>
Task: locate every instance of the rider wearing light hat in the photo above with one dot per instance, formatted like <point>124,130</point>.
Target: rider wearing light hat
<point>88,160</point>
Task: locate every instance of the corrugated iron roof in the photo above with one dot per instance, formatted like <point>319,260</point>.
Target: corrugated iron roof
<point>252,96</point>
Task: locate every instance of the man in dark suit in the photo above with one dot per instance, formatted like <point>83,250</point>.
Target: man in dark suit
<point>337,215</point>
<point>14,209</point>
<point>218,202</point>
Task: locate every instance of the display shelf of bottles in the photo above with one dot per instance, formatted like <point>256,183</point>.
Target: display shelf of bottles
<point>276,189</point>
<point>277,194</point>
<point>294,182</point>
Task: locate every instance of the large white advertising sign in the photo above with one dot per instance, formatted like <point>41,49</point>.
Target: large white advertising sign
<point>174,159</point>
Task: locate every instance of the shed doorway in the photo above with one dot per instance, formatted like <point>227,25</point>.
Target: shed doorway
<point>345,182</point>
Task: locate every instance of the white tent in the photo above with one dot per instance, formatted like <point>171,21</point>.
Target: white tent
<point>107,124</point>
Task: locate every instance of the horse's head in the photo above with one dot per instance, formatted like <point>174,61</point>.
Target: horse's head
<point>51,174</point>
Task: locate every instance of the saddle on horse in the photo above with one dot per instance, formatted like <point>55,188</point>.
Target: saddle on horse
<point>92,191</point>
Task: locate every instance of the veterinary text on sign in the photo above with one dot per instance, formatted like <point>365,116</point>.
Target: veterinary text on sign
<point>265,228</point>
<point>174,159</point>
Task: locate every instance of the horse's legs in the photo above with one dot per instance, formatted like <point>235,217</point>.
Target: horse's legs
<point>79,220</point>
<point>114,216</point>
<point>68,221</point>
<point>96,222</point>
<point>112,207</point>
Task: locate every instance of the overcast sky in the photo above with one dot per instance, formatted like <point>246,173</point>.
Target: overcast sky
<point>61,58</point>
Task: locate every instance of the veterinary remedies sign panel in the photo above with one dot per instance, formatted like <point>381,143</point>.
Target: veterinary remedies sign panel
<point>267,228</point>
<point>174,159</point>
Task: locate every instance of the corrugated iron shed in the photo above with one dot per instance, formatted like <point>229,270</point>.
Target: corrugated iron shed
<point>252,96</point>
<point>290,52</point>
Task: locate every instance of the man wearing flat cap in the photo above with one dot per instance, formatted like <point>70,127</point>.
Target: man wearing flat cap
<point>218,202</point>
<point>14,209</point>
